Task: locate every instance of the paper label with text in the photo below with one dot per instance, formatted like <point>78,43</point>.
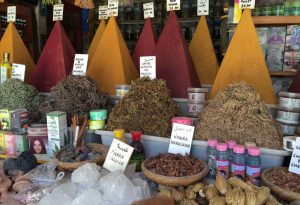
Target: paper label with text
<point>118,156</point>
<point>11,13</point>
<point>80,64</point>
<point>103,12</point>
<point>295,161</point>
<point>148,66</point>
<point>173,5</point>
<point>181,139</point>
<point>18,71</point>
<point>202,7</point>
<point>58,12</point>
<point>247,4</point>
<point>113,7</point>
<point>148,10</point>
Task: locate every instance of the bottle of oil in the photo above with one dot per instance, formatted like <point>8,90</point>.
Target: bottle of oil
<point>5,68</point>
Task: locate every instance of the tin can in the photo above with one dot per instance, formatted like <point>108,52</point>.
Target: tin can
<point>266,11</point>
<point>98,114</point>
<point>96,124</point>
<point>278,10</point>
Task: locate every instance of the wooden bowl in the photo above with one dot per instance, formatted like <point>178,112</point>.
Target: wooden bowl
<point>281,193</point>
<point>175,181</point>
<point>71,166</point>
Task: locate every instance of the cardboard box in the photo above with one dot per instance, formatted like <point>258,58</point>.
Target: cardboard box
<point>293,38</point>
<point>5,119</point>
<point>21,143</point>
<point>38,139</point>
<point>10,144</point>
<point>57,131</point>
<point>20,121</point>
<point>291,61</point>
<point>2,143</point>
<point>263,35</point>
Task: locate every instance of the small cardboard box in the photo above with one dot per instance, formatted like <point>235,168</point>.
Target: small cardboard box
<point>10,144</point>
<point>291,61</point>
<point>57,131</point>
<point>293,38</point>
<point>5,119</point>
<point>20,121</point>
<point>21,143</point>
<point>2,143</point>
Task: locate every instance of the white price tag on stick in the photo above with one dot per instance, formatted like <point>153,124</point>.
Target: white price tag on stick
<point>18,71</point>
<point>173,5</point>
<point>148,10</point>
<point>11,13</point>
<point>58,12</point>
<point>118,156</point>
<point>295,161</point>
<point>80,64</point>
<point>181,139</point>
<point>202,7</point>
<point>148,67</point>
<point>247,4</point>
<point>113,7</point>
<point>103,12</point>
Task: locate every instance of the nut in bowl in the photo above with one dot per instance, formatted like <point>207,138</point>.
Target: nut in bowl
<point>174,170</point>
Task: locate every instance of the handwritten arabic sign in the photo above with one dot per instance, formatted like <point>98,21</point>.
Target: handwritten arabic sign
<point>148,66</point>
<point>103,12</point>
<point>11,13</point>
<point>295,161</point>
<point>173,5</point>
<point>148,10</point>
<point>247,4</point>
<point>202,7</point>
<point>58,12</point>
<point>118,156</point>
<point>113,7</point>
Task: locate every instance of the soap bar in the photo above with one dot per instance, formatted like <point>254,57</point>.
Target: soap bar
<point>112,64</point>
<point>244,61</point>
<point>203,54</point>
<point>96,39</point>
<point>12,42</point>
<point>145,46</point>
<point>56,61</point>
<point>174,62</point>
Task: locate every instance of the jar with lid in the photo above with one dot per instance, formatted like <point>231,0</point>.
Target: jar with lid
<point>194,8</point>
<point>119,134</point>
<point>185,8</point>
<point>129,33</point>
<point>137,10</point>
<point>137,31</point>
<point>138,155</point>
<point>129,12</point>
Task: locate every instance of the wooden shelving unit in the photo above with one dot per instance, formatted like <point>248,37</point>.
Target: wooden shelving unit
<point>282,73</point>
<point>276,20</point>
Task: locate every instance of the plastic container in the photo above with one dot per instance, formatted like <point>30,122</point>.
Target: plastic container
<point>122,90</point>
<point>288,115</point>
<point>91,137</point>
<point>289,100</point>
<point>289,129</point>
<point>230,144</point>
<point>194,108</point>
<point>197,94</point>
<point>182,120</point>
<point>253,167</point>
<point>222,161</point>
<point>119,134</point>
<point>211,157</point>
<point>238,163</point>
<point>289,143</point>
<point>138,155</point>
<point>96,124</point>
<point>98,114</point>
<point>248,145</point>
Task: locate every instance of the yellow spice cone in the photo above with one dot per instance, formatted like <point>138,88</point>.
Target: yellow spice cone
<point>96,40</point>
<point>244,61</point>
<point>112,63</point>
<point>203,54</point>
<point>11,42</point>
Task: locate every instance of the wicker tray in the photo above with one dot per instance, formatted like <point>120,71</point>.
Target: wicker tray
<point>175,181</point>
<point>282,194</point>
<point>71,166</point>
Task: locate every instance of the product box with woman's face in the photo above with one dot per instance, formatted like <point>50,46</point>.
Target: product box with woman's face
<point>38,139</point>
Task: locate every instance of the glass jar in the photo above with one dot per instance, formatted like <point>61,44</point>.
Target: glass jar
<point>129,12</point>
<point>137,11</point>
<point>185,9</point>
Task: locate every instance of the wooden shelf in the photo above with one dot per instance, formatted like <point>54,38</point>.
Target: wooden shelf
<point>276,20</point>
<point>282,73</point>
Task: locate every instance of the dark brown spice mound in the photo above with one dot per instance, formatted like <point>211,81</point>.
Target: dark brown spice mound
<point>147,107</point>
<point>74,95</point>
<point>174,165</point>
<point>238,113</point>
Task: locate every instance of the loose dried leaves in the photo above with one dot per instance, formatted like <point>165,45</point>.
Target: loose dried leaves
<point>173,165</point>
<point>238,113</point>
<point>74,95</point>
<point>147,107</point>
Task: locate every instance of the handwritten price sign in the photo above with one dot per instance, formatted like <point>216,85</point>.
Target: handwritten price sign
<point>202,7</point>
<point>173,5</point>
<point>247,4</point>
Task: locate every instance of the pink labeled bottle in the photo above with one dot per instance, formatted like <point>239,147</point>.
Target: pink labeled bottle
<point>222,161</point>
<point>211,157</point>
<point>238,163</point>
<point>253,167</point>
<point>230,144</point>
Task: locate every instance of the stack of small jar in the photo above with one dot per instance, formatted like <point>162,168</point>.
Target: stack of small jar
<point>98,118</point>
<point>232,160</point>
<point>196,101</point>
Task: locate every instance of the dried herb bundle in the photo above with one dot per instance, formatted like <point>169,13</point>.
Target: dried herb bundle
<point>15,94</point>
<point>74,95</point>
<point>147,107</point>
<point>237,113</point>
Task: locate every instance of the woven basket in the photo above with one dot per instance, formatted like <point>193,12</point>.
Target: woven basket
<point>175,181</point>
<point>71,166</point>
<point>282,194</point>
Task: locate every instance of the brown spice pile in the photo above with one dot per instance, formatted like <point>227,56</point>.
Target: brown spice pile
<point>237,113</point>
<point>147,107</point>
<point>174,165</point>
<point>74,95</point>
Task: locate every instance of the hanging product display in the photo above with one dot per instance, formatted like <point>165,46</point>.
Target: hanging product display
<point>112,63</point>
<point>74,95</point>
<point>174,62</point>
<point>147,107</point>
<point>244,61</point>
<point>145,46</point>
<point>238,113</point>
<point>96,39</point>
<point>203,53</point>
<point>12,43</point>
<point>56,61</point>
